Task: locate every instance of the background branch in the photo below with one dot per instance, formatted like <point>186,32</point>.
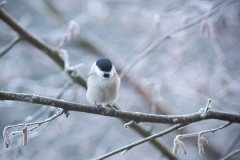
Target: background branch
<point>10,45</point>
<point>237,151</point>
<point>191,80</point>
<point>130,146</point>
<point>38,43</point>
<point>169,34</point>
<point>53,53</point>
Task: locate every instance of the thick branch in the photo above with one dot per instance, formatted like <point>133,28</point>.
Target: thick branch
<point>136,116</point>
<point>37,42</point>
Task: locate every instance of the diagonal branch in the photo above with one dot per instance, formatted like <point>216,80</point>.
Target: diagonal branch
<point>128,147</point>
<point>169,34</point>
<point>53,54</point>
<point>135,116</point>
<point>38,43</point>
<point>10,45</point>
<point>237,151</point>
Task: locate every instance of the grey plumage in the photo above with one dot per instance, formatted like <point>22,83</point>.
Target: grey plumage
<point>100,89</point>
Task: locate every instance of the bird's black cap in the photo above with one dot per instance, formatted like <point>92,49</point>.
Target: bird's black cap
<point>104,64</point>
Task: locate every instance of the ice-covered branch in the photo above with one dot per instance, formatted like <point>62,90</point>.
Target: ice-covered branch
<point>135,116</point>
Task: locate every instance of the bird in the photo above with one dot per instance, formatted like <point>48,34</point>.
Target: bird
<point>103,84</point>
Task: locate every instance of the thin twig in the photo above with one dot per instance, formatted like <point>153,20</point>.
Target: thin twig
<point>202,132</point>
<point>231,154</point>
<point>59,113</point>
<point>65,58</point>
<point>40,111</point>
<point>207,108</point>
<point>128,147</point>
<point>72,29</point>
<point>62,41</point>
<point>231,145</point>
<point>34,116</point>
<point>2,3</point>
<point>167,35</point>
<point>126,125</point>
<point>201,139</point>
<point>10,45</point>
<point>25,129</point>
<point>18,143</point>
<point>67,67</point>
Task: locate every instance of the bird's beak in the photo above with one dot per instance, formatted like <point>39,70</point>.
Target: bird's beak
<point>106,74</point>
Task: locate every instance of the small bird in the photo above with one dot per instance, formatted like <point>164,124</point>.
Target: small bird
<point>102,84</point>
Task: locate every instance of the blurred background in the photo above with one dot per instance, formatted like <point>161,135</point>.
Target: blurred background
<point>176,78</point>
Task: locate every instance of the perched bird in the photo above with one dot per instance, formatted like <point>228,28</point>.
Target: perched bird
<point>102,83</point>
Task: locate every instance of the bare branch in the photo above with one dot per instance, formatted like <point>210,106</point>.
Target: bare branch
<point>53,53</point>
<point>126,148</point>
<point>135,116</point>
<point>207,108</point>
<point>201,140</point>
<point>59,113</point>
<point>202,132</point>
<point>10,45</point>
<point>67,67</point>
<point>32,118</point>
<point>126,125</point>
<point>167,35</point>
<point>25,129</point>
<point>73,28</point>
<point>25,135</point>
<point>237,151</point>
<point>2,3</point>
<point>38,43</point>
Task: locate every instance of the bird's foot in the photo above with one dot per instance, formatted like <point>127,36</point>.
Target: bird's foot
<point>97,106</point>
<point>112,109</point>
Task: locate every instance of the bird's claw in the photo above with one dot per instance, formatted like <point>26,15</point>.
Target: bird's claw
<point>113,109</point>
<point>97,106</point>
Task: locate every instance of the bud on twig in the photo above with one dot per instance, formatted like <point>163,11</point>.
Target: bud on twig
<point>6,137</point>
<point>157,23</point>
<point>182,146</point>
<point>125,151</point>
<point>126,125</point>
<point>175,146</point>
<point>201,141</point>
<point>72,29</point>
<point>204,140</point>
<point>207,29</point>
<point>25,135</point>
<point>6,145</point>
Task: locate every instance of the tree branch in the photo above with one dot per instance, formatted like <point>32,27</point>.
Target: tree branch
<point>10,45</point>
<point>128,147</point>
<point>45,51</point>
<point>38,43</point>
<point>169,34</point>
<point>237,151</point>
<point>53,54</point>
<point>59,113</point>
<point>135,116</point>
<point>201,140</point>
